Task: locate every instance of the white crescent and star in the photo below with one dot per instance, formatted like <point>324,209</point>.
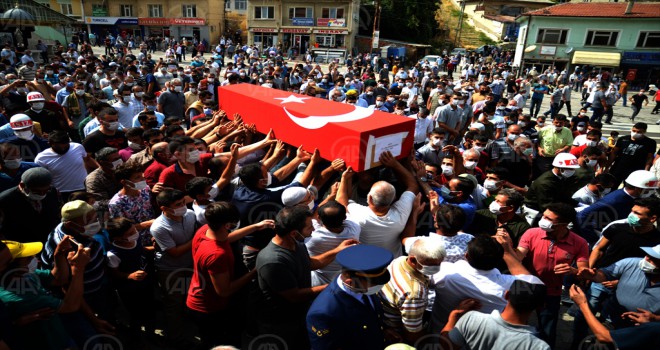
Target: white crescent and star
<point>317,122</point>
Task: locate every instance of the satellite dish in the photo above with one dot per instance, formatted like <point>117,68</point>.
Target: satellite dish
<point>530,48</point>
<point>569,50</point>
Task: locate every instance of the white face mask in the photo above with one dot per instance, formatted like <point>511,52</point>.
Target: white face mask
<point>135,146</point>
<point>80,92</point>
<point>470,165</point>
<point>25,135</point>
<point>139,94</point>
<point>180,211</point>
<point>636,135</point>
<point>113,126</point>
<point>133,238</point>
<point>374,290</point>
<point>490,185</point>
<point>429,270</point>
<point>117,163</point>
<point>38,106</point>
<point>92,229</point>
<point>478,148</point>
<point>139,185</point>
<point>546,225</point>
<point>213,192</point>
<point>592,163</point>
<point>178,88</point>
<point>580,128</point>
<point>438,142</point>
<point>592,143</point>
<point>13,163</point>
<point>559,128</point>
<point>649,268</point>
<point>567,172</point>
<point>193,156</point>
<point>33,265</point>
<point>512,137</point>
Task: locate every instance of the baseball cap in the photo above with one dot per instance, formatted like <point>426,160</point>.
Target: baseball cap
<point>23,250</point>
<point>75,209</point>
<point>653,252</point>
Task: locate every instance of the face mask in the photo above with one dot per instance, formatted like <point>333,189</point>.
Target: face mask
<point>636,135</point>
<point>605,191</point>
<point>139,94</point>
<point>438,142</point>
<point>135,146</point>
<point>522,124</point>
<point>528,151</point>
<point>38,106</point>
<point>633,220</point>
<point>495,208</point>
<point>151,108</point>
<point>370,93</point>
<point>546,225</point>
<point>541,124</point>
<point>470,165</point>
<point>490,185</point>
<point>409,84</point>
<point>180,211</point>
<point>129,84</point>
<point>49,72</point>
<point>429,270</point>
<point>139,185</point>
<point>112,126</point>
<point>213,192</point>
<point>117,163</point>
<point>592,163</point>
<point>80,92</point>
<point>447,170</point>
<point>177,88</point>
<point>32,266</point>
<point>580,128</point>
<point>92,229</point>
<point>34,196</point>
<point>512,137</point>
<point>133,238</point>
<point>592,143</point>
<point>649,268</point>
<point>374,290</point>
<point>13,163</point>
<point>210,80</point>
<point>567,173</point>
<point>479,148</point>
<point>559,128</point>
<point>25,135</point>
<point>193,156</point>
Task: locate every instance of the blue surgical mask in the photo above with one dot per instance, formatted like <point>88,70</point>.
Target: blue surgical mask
<point>633,220</point>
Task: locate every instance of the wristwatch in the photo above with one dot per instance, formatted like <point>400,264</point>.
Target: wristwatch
<point>423,179</point>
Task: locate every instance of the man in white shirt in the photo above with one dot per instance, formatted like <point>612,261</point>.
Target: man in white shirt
<point>67,162</point>
<point>383,220</point>
<point>124,106</point>
<point>476,277</point>
<point>423,127</point>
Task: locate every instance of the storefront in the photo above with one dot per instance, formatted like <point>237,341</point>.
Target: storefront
<point>263,37</point>
<point>640,68</point>
<point>330,38</point>
<point>122,26</point>
<point>177,28</point>
<point>296,39</point>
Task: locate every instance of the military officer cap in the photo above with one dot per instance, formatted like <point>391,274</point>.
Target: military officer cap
<point>366,261</point>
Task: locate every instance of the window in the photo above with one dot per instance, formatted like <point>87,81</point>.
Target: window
<point>301,12</point>
<point>332,12</point>
<point>326,40</point>
<point>601,38</point>
<point>649,39</point>
<point>126,10</point>
<point>66,9</point>
<point>189,11</point>
<point>552,36</point>
<point>240,4</point>
<point>155,10</point>
<point>227,5</point>
<point>264,12</point>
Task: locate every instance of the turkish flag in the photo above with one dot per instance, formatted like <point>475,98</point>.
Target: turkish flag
<point>355,134</point>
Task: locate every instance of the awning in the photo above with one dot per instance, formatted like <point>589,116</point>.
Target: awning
<point>599,59</point>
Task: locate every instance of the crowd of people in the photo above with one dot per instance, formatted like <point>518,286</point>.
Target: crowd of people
<point>130,202</point>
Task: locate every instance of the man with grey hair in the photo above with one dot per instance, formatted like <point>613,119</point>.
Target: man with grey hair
<point>405,296</point>
<point>101,182</point>
<point>383,220</point>
<point>172,101</point>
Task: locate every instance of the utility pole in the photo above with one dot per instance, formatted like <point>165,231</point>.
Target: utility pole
<point>460,25</point>
<point>375,36</point>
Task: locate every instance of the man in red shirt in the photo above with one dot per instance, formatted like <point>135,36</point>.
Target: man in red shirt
<point>190,162</point>
<point>213,282</point>
<point>161,155</point>
<point>550,250</point>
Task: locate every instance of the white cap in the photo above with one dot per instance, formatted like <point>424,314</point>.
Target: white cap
<point>566,160</point>
<point>642,179</point>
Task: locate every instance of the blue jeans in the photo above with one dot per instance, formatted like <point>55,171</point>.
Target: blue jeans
<point>535,107</point>
<point>597,114</point>
<point>624,99</point>
<point>548,317</point>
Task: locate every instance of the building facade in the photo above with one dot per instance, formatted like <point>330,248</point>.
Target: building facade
<point>602,36</point>
<point>176,18</point>
<point>324,25</point>
<point>236,20</point>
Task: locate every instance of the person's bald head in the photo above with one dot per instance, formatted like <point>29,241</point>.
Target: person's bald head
<point>160,149</point>
<point>382,194</point>
<point>514,129</point>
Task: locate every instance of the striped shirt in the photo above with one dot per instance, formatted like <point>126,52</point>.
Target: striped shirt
<point>93,278</point>
<point>404,297</point>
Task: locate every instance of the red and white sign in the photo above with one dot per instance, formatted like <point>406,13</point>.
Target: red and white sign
<point>295,30</point>
<point>188,21</point>
<point>331,22</point>
<point>154,21</point>
<point>171,21</point>
<point>330,31</point>
<point>263,30</point>
<point>355,134</point>
<point>21,124</point>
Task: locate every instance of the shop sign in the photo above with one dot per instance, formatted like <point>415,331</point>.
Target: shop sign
<point>263,30</point>
<point>331,22</point>
<point>154,21</point>
<point>303,21</point>
<point>187,21</point>
<point>128,21</point>
<point>330,31</point>
<point>296,30</point>
<point>101,20</point>
<point>647,58</point>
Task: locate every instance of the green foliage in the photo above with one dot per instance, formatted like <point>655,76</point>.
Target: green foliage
<point>486,39</point>
<point>409,20</point>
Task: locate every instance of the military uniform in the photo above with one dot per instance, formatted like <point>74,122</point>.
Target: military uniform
<point>342,317</point>
<point>550,188</point>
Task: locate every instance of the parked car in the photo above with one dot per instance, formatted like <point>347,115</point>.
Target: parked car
<point>430,58</point>
<point>459,50</point>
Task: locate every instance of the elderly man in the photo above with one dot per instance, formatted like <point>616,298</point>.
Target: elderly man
<point>405,296</point>
<point>382,220</point>
<point>34,197</point>
<point>101,182</point>
<point>171,102</point>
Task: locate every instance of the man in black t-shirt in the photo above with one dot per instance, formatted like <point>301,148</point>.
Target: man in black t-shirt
<point>580,118</point>
<point>632,152</point>
<point>107,135</point>
<point>637,103</point>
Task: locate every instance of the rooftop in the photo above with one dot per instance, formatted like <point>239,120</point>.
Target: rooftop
<point>599,9</point>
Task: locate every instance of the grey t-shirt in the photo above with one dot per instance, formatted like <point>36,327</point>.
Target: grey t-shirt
<point>476,330</point>
<point>598,96</point>
<point>173,103</point>
<point>169,234</point>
